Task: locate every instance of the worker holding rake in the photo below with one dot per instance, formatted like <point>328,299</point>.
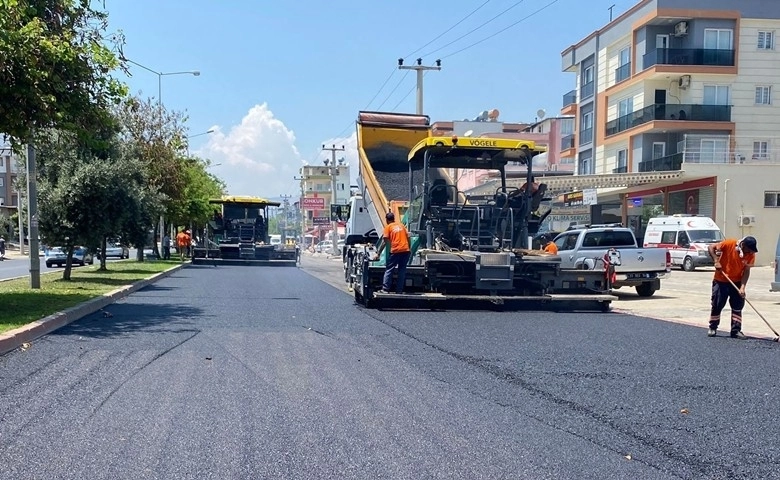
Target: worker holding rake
<point>733,259</point>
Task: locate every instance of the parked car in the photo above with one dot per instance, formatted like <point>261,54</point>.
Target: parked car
<point>58,256</point>
<point>324,247</point>
<point>116,250</point>
<point>641,268</point>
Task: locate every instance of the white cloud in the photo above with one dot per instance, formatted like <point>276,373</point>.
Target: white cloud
<point>257,157</point>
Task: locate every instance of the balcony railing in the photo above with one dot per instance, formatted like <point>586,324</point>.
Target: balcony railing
<point>688,56</point>
<point>669,163</point>
<point>567,142</point>
<point>622,169</point>
<point>669,111</point>
<point>587,89</point>
<point>586,136</point>
<point>570,98</point>
<point>622,72</point>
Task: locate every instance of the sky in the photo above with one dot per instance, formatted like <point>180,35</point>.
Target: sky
<point>278,79</point>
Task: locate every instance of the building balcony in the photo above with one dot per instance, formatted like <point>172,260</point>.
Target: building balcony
<point>622,72</point>
<point>688,56</point>
<point>567,142</point>
<point>569,98</point>
<point>669,163</point>
<point>623,169</point>
<point>668,111</point>
<point>586,136</point>
<point>587,90</point>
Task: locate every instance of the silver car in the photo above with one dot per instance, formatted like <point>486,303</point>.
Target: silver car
<point>58,256</point>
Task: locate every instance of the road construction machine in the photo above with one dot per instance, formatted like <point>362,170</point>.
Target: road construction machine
<point>237,234</point>
<point>463,248</point>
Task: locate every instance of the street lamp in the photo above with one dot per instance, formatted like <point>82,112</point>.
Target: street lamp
<point>210,130</point>
<point>195,73</point>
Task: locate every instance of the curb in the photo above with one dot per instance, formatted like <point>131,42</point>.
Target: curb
<point>15,338</point>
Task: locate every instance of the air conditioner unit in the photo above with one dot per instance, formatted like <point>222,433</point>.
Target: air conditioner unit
<point>747,220</point>
<point>685,81</point>
<point>681,29</point>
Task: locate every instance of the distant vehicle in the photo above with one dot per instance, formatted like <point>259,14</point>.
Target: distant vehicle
<point>114,249</point>
<point>324,247</point>
<point>58,256</point>
<point>686,236</point>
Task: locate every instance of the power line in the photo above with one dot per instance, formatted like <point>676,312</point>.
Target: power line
<point>393,90</point>
<point>449,29</point>
<point>472,31</point>
<point>392,72</point>
<point>502,30</point>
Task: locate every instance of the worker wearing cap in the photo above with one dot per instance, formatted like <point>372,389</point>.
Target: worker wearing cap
<point>397,237</point>
<point>548,245</point>
<point>733,259</point>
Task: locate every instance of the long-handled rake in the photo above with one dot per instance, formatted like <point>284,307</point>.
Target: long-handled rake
<point>777,335</point>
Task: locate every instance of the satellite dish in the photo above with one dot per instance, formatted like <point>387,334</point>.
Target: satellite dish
<point>541,113</point>
<point>468,133</point>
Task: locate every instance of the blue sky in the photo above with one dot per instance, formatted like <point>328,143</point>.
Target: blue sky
<point>280,78</point>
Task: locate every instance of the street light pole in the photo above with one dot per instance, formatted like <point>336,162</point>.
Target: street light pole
<point>420,68</point>
<point>210,130</point>
<point>335,233</point>
<point>302,211</point>
<point>195,73</point>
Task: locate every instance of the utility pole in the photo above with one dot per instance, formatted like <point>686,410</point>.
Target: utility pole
<point>285,204</point>
<point>420,68</point>
<point>333,172</point>
<point>302,210</point>
<point>32,212</point>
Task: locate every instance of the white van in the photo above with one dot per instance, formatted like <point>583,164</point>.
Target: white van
<point>687,238</point>
<point>276,239</point>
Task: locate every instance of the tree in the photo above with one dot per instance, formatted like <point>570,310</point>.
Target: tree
<point>199,187</point>
<point>55,67</point>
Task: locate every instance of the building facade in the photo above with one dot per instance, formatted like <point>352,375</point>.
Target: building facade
<point>683,86</point>
<point>316,182</point>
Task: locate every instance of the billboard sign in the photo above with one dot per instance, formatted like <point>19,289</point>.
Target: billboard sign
<point>321,220</point>
<point>339,213</point>
<point>313,203</point>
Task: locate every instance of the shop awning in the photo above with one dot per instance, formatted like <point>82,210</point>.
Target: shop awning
<point>559,185</point>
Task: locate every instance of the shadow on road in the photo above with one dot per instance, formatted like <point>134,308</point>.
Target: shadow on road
<point>119,319</point>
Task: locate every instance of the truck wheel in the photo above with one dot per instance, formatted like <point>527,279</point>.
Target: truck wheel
<point>688,265</point>
<point>645,290</point>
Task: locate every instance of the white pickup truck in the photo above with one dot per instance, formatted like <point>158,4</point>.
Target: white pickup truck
<point>642,268</point>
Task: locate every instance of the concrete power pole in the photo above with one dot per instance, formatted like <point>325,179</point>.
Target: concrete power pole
<point>420,68</point>
<point>32,216</point>
<point>285,216</point>
<point>335,233</point>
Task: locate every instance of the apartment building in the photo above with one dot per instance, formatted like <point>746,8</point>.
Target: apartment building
<point>316,183</point>
<point>8,195</point>
<point>680,94</point>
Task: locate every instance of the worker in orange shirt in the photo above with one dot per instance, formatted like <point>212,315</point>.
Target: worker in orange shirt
<point>733,260</point>
<point>182,243</point>
<point>397,237</point>
<point>548,245</point>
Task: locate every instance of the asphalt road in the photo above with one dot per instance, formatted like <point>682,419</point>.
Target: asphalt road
<point>252,372</point>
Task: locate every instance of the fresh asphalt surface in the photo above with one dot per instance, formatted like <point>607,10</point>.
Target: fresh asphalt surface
<point>267,372</point>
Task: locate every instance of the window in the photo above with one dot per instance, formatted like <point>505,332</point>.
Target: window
<point>766,40</point>
<point>622,158</point>
<point>761,149</point>
<point>718,39</point>
<point>588,75</point>
<point>763,95</point>
<point>716,94</point>
<point>772,199</point>
<point>320,187</point>
<point>626,106</point>
<point>659,150</point>
<point>624,57</point>
<point>2,181</point>
<point>587,121</point>
<point>668,237</point>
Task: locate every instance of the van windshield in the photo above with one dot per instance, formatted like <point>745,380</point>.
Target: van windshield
<point>705,236</point>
